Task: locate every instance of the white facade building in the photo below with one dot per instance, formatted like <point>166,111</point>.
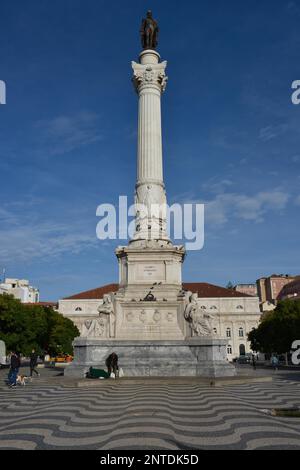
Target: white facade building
<point>20,289</point>
<point>234,314</point>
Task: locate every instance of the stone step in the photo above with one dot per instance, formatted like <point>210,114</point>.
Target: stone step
<point>217,382</point>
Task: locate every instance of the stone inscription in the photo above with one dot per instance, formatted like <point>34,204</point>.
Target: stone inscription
<point>155,272</point>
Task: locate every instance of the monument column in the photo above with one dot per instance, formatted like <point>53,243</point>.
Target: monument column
<point>150,198</point>
<point>155,327</point>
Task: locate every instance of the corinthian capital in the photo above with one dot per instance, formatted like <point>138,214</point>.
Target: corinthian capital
<point>151,75</point>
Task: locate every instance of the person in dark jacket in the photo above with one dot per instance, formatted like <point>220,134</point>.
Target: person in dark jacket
<point>33,363</point>
<point>112,364</point>
<point>14,369</point>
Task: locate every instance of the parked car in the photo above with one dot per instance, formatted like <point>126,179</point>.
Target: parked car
<point>4,363</point>
<point>3,359</point>
<point>243,359</point>
<point>62,358</point>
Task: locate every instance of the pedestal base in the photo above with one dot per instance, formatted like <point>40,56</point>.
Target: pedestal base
<point>196,357</point>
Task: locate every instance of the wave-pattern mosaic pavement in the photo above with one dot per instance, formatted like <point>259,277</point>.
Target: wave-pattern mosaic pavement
<point>148,416</point>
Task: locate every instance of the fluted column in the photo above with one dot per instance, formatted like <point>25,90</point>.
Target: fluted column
<point>150,81</point>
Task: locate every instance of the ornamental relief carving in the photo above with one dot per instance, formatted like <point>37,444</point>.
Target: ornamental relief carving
<point>170,317</point>
<point>130,317</point>
<point>149,75</point>
<point>149,317</point>
<point>94,328</point>
<point>157,316</point>
<point>143,316</point>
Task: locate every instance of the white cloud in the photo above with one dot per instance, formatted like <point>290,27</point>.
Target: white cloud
<point>215,186</point>
<point>24,236</point>
<point>271,132</point>
<point>252,208</point>
<point>64,134</point>
<point>40,241</point>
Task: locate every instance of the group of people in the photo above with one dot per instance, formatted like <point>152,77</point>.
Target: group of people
<point>15,364</point>
<point>111,363</point>
<point>274,362</point>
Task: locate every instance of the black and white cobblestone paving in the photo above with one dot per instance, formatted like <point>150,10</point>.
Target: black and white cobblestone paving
<point>48,415</point>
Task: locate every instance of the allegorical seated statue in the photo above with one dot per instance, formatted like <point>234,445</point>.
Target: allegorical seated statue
<point>149,32</point>
<point>200,322</point>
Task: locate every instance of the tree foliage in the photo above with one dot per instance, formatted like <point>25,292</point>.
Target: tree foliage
<point>278,329</point>
<point>24,327</point>
<point>229,285</point>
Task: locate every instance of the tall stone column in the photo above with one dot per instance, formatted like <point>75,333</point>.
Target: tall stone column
<point>150,198</point>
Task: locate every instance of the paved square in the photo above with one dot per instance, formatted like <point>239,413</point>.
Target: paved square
<point>46,414</point>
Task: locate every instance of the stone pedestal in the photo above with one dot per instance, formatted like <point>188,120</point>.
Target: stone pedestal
<point>195,357</point>
<point>145,262</point>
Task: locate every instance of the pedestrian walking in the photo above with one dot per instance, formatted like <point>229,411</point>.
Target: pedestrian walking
<point>254,361</point>
<point>274,362</point>
<point>33,363</point>
<point>14,369</point>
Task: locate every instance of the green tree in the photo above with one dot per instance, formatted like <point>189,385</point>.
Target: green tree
<point>278,329</point>
<point>24,327</point>
<point>62,332</point>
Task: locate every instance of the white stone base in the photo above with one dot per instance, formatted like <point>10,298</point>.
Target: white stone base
<point>202,357</point>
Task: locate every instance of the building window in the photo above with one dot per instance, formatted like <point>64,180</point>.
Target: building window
<point>78,309</point>
<point>229,349</point>
<point>241,332</point>
<point>228,333</point>
<point>242,350</point>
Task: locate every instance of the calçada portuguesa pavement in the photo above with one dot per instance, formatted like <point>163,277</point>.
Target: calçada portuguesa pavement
<point>52,412</point>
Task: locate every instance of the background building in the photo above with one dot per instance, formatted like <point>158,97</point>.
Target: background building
<point>269,288</point>
<point>20,289</point>
<point>291,290</point>
<point>234,313</point>
<point>249,289</point>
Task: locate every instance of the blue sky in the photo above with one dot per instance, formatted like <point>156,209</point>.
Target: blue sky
<point>68,134</point>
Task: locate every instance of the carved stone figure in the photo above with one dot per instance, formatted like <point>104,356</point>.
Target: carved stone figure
<point>93,328</point>
<point>107,310</point>
<point>149,32</point>
<point>200,321</point>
